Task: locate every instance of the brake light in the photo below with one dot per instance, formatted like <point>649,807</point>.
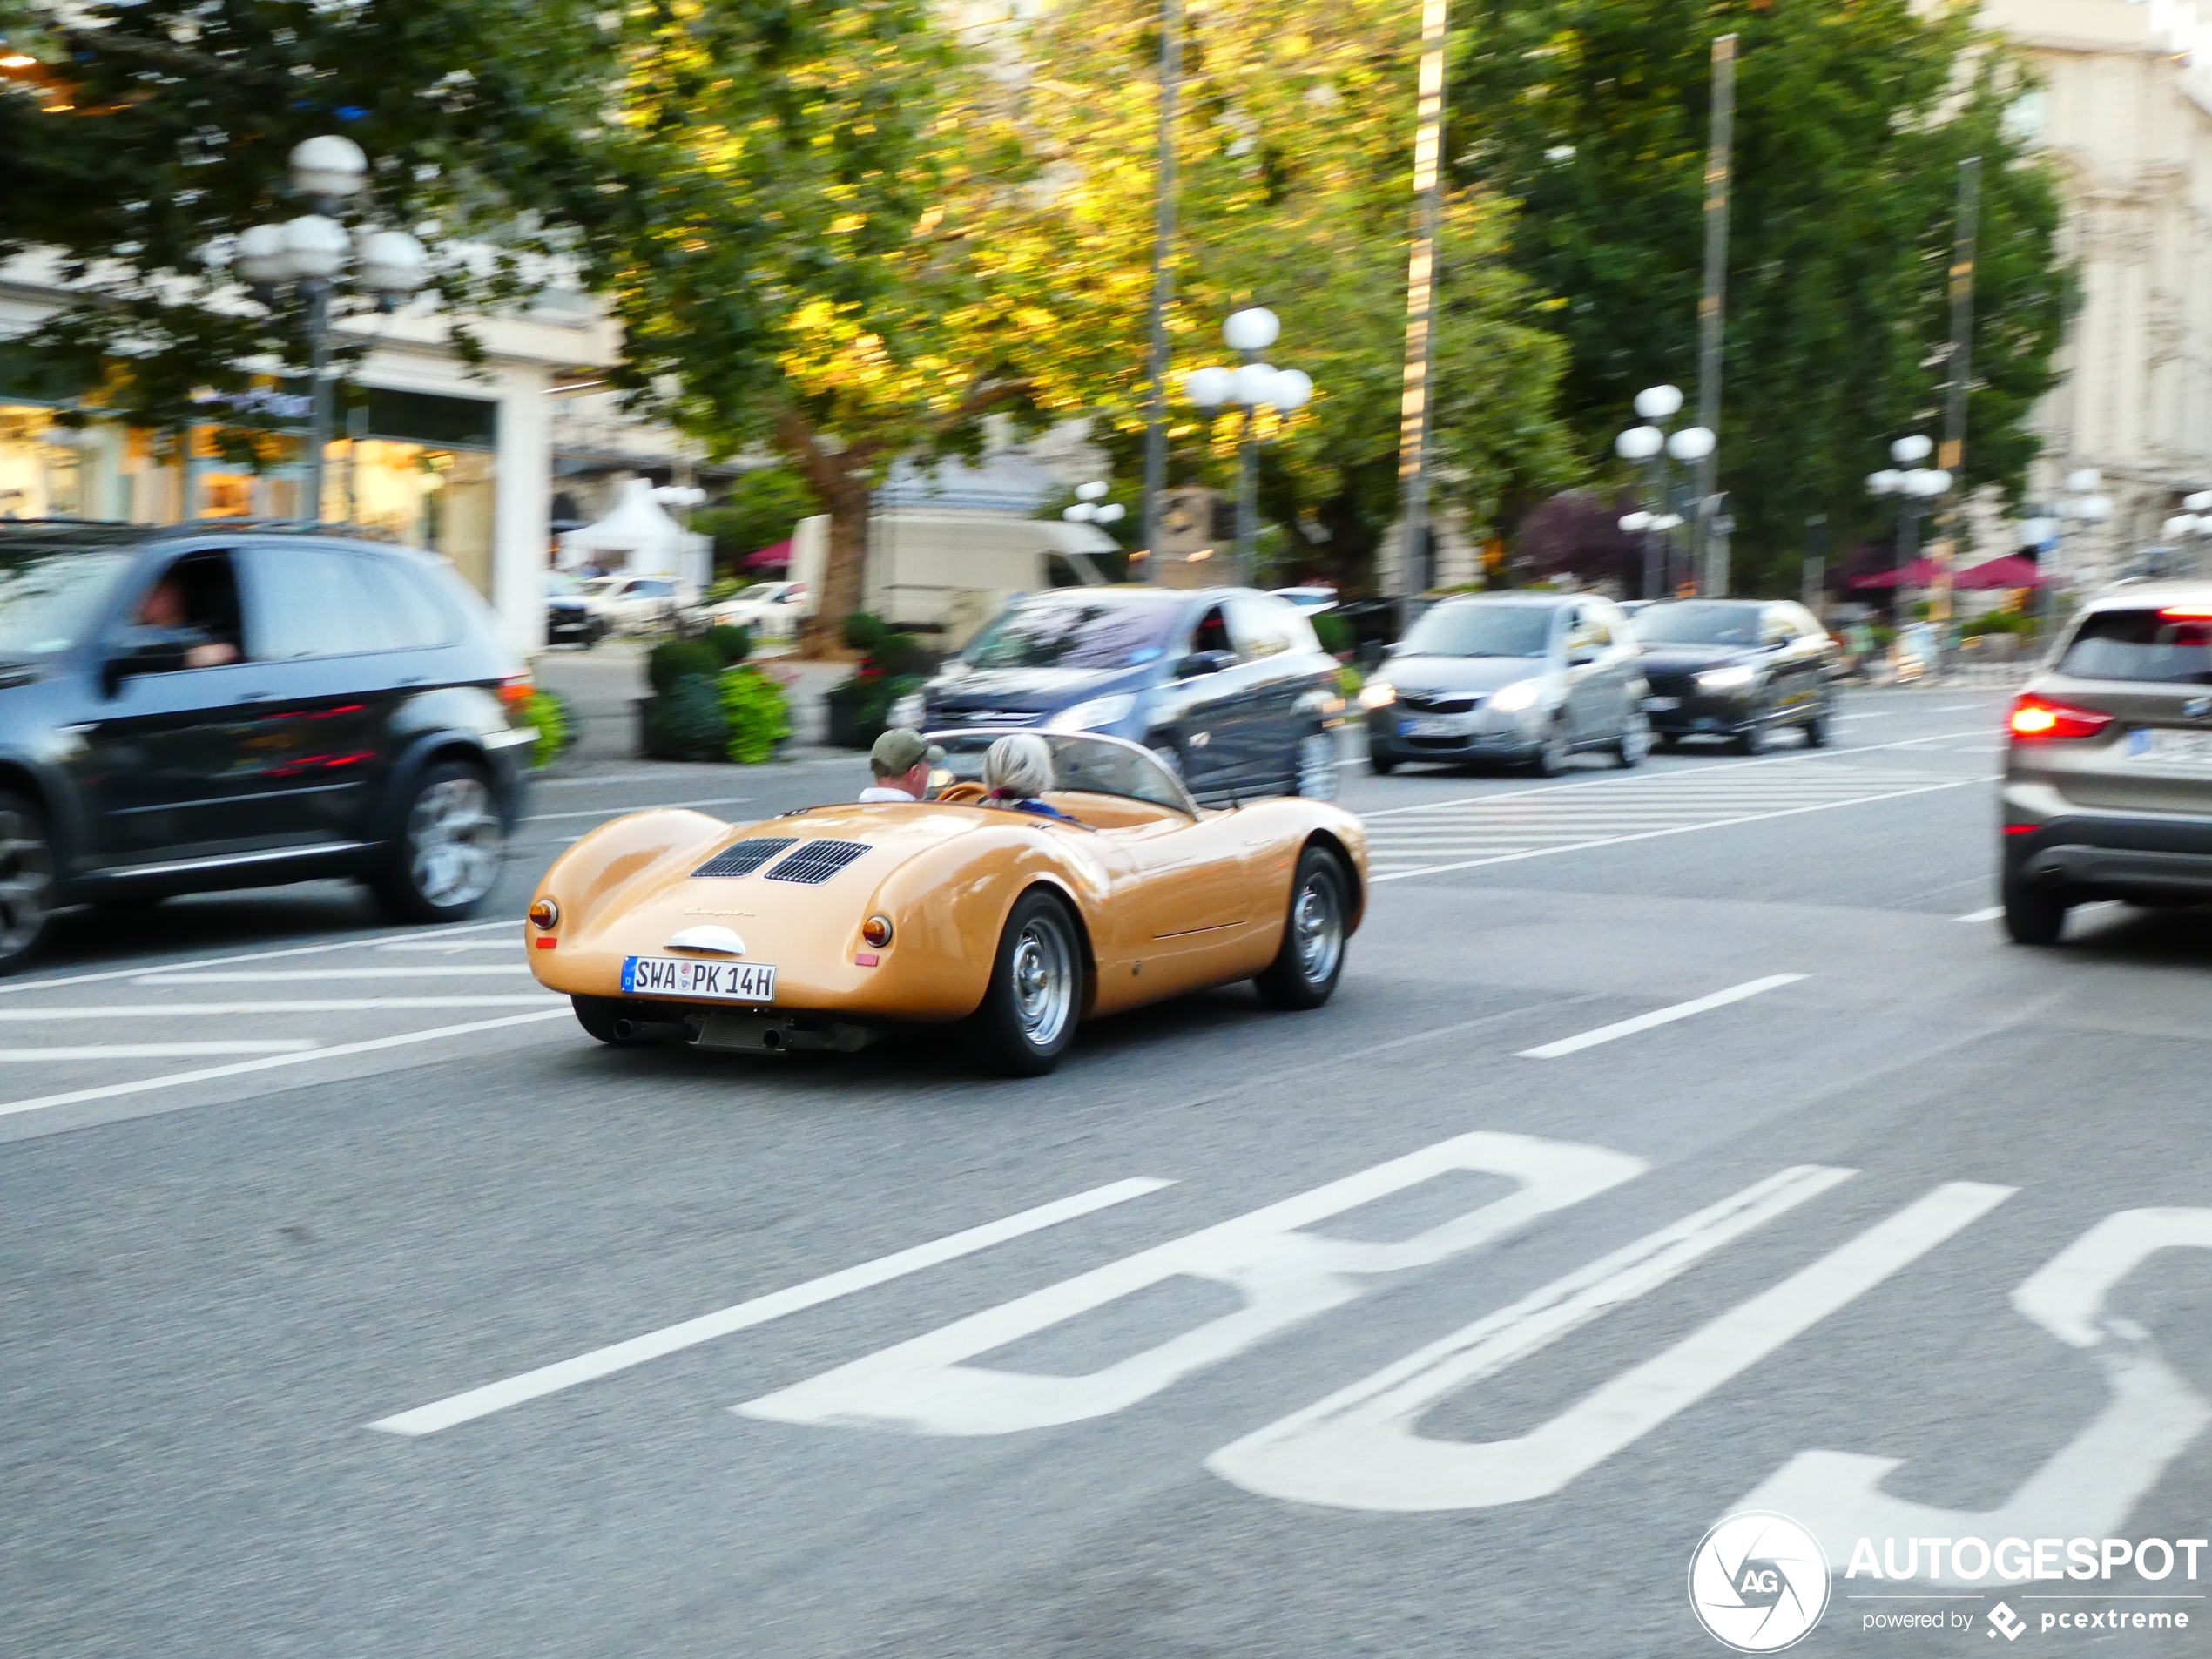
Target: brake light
<point>514,694</point>
<point>2187,613</point>
<point>2035,717</point>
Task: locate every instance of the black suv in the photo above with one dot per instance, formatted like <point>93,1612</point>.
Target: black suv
<point>229,705</point>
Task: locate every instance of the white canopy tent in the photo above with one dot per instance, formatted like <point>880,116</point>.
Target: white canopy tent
<point>637,538</point>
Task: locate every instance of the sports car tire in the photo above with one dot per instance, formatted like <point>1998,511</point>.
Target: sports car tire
<point>445,860</point>
<point>26,882</point>
<point>1305,969</point>
<point>1035,995</point>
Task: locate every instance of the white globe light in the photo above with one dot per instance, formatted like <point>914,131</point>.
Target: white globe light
<point>2180,525</point>
<point>1255,385</point>
<point>1253,328</point>
<point>315,247</point>
<point>2200,502</point>
<point>2036,531</point>
<point>329,165</point>
<point>1692,443</point>
<point>1294,389</point>
<point>2095,508</point>
<point>1658,402</point>
<point>1887,482</point>
<point>392,262</point>
<point>1091,491</point>
<point>1109,514</point>
<point>1080,513</point>
<point>1209,388</point>
<point>1631,522</point>
<point>1932,483</point>
<point>1667,522</point>
<point>262,258</point>
<point>1910,451</point>
<point>2083,481</point>
<point>1639,443</point>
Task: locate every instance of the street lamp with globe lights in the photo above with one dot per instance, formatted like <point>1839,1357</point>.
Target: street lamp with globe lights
<point>1645,446</point>
<point>1917,489</point>
<point>1254,385</point>
<point>309,253</point>
<point>1091,506</point>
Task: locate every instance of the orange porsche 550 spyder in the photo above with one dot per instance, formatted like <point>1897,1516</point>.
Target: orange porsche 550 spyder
<point>826,926</point>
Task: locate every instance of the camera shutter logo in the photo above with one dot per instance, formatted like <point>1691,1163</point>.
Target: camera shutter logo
<point>1758,1582</point>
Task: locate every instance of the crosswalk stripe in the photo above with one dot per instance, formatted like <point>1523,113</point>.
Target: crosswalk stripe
<point>312,1005</point>
<point>162,1050</point>
<point>319,974</point>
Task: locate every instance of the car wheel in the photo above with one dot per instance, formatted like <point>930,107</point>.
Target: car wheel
<point>26,882</point>
<point>1315,773</point>
<point>1035,994</point>
<point>2034,915</point>
<point>1635,739</point>
<point>1552,755</point>
<point>1816,731</point>
<point>1381,762</point>
<point>1667,743</point>
<point>447,856</point>
<point>1751,740</point>
<point>598,1014</point>
<point>1305,969</point>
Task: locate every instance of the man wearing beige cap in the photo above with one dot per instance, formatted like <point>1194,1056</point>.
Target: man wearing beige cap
<point>900,761</point>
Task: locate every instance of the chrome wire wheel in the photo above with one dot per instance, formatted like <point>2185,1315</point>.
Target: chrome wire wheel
<point>1044,979</point>
<point>1317,765</point>
<point>26,882</point>
<point>454,841</point>
<point>1316,924</point>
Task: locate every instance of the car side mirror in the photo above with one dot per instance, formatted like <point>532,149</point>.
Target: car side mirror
<point>148,650</point>
<point>1203,662</point>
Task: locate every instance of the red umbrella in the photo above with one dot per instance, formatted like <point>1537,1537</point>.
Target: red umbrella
<point>775,558</point>
<point>1921,573</point>
<point>2010,571</point>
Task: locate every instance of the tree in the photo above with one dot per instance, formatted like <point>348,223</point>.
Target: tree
<point>1851,122</point>
<point>1577,533</point>
<point>180,118</point>
<point>758,510</point>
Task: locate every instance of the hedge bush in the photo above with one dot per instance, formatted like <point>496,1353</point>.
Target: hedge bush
<point>555,731</point>
<point>673,661</point>
<point>755,717</point>
<point>732,644</point>
<point>685,721</point>
<point>1334,633</point>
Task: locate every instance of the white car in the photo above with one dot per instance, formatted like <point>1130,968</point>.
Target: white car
<point>636,603</point>
<point>767,609</point>
<point>1312,600</point>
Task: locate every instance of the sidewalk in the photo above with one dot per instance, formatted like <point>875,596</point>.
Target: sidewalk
<point>602,687</point>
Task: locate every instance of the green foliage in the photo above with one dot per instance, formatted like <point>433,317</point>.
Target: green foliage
<point>184,115</point>
<point>685,721</point>
<point>732,644</point>
<point>674,660</point>
<point>762,508</point>
<point>1998,622</point>
<point>861,708</point>
<point>753,713</point>
<point>862,630</point>
<point>549,712</point>
<point>1334,632</point>
<point>1851,123</point>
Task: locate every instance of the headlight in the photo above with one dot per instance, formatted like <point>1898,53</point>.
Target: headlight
<point>1521,694</point>
<point>1727,679</point>
<point>909,709</point>
<point>1093,712</point>
<point>1378,694</point>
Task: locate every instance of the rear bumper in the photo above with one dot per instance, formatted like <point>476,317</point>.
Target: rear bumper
<point>2113,856</point>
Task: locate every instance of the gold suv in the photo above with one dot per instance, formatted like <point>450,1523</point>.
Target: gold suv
<point>2108,775</point>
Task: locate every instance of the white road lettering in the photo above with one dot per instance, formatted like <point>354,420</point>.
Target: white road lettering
<point>604,1362</point>
<point>1658,1018</point>
<point>1616,1414</point>
<point>1286,1275</point>
<point>2089,1485</point>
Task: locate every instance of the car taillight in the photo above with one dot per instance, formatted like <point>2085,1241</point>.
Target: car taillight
<point>2187,613</point>
<point>2036,717</point>
<point>514,694</point>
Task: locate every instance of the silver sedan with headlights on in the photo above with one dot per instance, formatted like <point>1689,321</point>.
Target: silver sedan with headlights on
<point>1524,678</point>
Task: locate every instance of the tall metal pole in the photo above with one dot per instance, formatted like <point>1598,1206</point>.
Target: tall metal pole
<point>319,402</point>
<point>1712,308</point>
<point>1155,420</point>
<point>1421,301</point>
<point>1247,497</point>
<point>1953,455</point>
<point>1816,571</point>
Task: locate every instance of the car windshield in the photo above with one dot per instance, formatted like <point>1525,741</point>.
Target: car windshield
<point>1481,631</point>
<point>1088,766</point>
<point>1075,631</point>
<point>1698,624</point>
<point>2172,646</point>
<point>760,590</point>
<point>49,596</point>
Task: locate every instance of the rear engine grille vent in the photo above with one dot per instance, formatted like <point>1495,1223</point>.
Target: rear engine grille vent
<point>742,858</point>
<point>817,861</point>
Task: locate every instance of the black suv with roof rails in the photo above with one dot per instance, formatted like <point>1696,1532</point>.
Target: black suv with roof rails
<point>234,704</point>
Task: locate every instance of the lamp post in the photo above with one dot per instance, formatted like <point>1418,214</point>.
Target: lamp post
<point>1650,445</point>
<point>1914,485</point>
<point>1089,506</point>
<point>2083,504</point>
<point>2194,520</point>
<point>310,253</point>
<point>1254,385</point>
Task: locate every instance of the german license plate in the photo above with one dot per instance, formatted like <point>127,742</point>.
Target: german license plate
<point>681,977</point>
<point>1662,704</point>
<point>2169,747</point>
<point>1434,725</point>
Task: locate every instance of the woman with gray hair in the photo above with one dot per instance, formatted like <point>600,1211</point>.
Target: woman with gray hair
<point>1017,770</point>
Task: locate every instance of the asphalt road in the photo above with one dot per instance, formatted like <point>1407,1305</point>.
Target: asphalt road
<point>303,1220</point>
